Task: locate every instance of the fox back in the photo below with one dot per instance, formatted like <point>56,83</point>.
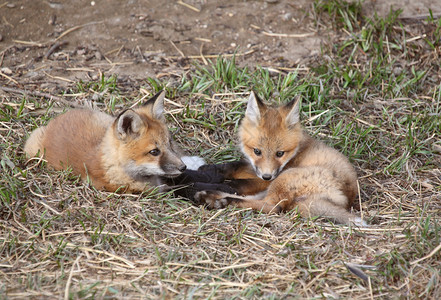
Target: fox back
<point>130,150</point>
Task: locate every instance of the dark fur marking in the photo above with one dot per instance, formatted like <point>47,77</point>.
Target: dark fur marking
<point>152,100</point>
<point>233,200</point>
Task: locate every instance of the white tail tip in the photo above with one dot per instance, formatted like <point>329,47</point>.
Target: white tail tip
<point>193,162</point>
<point>359,222</point>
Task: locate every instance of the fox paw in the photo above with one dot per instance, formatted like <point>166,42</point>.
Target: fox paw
<point>213,199</point>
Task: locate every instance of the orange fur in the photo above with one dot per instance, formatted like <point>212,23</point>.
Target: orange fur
<point>291,169</point>
<point>133,150</point>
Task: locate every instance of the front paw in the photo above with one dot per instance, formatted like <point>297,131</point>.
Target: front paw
<point>213,199</point>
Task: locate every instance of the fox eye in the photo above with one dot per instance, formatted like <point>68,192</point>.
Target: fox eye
<point>155,152</point>
<point>280,153</point>
<point>257,152</point>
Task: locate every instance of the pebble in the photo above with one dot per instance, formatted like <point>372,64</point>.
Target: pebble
<point>287,17</point>
<point>397,71</point>
<point>98,55</point>
<point>52,20</point>
<point>6,71</point>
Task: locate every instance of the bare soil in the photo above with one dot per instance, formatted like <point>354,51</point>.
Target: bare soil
<point>52,44</point>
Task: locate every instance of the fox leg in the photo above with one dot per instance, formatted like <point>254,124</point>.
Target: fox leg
<point>318,205</point>
<point>217,200</point>
<point>239,175</point>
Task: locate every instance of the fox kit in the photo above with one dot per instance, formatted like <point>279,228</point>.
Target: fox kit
<point>133,150</point>
<point>285,168</point>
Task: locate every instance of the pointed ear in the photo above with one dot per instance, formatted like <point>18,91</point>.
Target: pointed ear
<point>128,124</point>
<point>155,105</point>
<point>293,116</point>
<point>254,108</point>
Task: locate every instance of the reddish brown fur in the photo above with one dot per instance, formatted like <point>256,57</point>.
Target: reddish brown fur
<point>310,176</point>
<point>66,145</point>
<point>110,152</point>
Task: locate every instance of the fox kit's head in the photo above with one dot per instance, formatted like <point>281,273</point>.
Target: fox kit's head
<point>145,147</point>
<point>269,136</point>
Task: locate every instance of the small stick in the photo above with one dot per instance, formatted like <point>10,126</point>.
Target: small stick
<point>69,279</point>
<point>421,17</point>
<point>202,39</point>
<point>3,57</point>
<point>214,55</point>
<point>177,49</point>
<point>75,28</point>
<point>437,248</point>
<point>189,6</point>
<point>288,35</point>
<point>7,77</point>
<point>416,38</point>
<point>58,77</point>
<point>28,43</point>
<point>203,58</point>
<point>54,47</point>
<point>140,53</point>
<point>359,200</point>
<point>7,23</point>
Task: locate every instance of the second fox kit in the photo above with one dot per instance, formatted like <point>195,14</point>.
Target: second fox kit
<point>286,168</point>
<point>133,150</point>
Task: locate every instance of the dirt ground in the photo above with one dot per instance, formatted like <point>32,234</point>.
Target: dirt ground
<point>50,45</point>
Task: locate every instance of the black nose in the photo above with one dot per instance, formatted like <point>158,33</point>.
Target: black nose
<point>182,168</point>
<point>267,176</point>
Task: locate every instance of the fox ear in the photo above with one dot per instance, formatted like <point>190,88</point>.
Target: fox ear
<point>155,105</point>
<point>293,116</point>
<point>128,124</point>
<point>254,107</point>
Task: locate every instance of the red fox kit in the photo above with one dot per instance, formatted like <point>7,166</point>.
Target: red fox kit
<point>286,168</point>
<point>132,150</point>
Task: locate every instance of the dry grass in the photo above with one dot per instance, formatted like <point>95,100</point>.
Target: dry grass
<point>60,238</point>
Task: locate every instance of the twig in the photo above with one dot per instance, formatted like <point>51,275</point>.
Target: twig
<point>371,293</point>
<point>214,55</point>
<point>281,34</point>
<point>359,200</point>
<point>58,77</point>
<point>75,28</point>
<point>69,279</point>
<point>189,6</point>
<point>54,47</point>
<point>202,40</point>
<point>422,16</point>
<point>432,253</point>
<point>6,22</point>
<point>415,38</point>
<point>29,43</point>
<point>3,56</point>
<point>40,94</point>
<point>10,78</point>
<point>177,49</point>
<point>300,35</point>
<point>140,53</point>
<point>202,55</point>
